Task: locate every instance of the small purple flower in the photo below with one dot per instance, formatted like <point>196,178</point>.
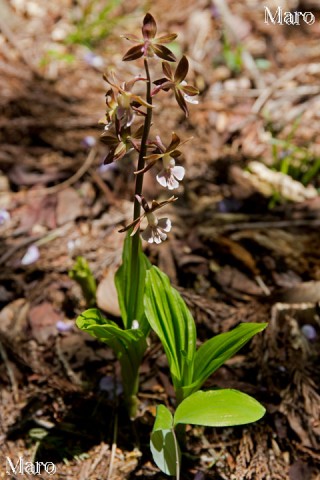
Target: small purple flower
<point>64,326</point>
<point>309,332</point>
<point>4,216</point>
<point>89,141</point>
<point>93,60</point>
<point>155,231</point>
<point>107,167</point>
<point>106,385</point>
<point>31,255</point>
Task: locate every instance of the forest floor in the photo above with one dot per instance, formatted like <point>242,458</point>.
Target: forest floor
<point>244,245</point>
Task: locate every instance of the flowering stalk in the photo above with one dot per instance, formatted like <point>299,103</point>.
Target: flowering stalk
<point>138,192</point>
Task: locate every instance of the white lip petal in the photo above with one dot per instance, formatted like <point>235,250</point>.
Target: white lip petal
<point>157,238</point>
<point>165,224</point>
<point>178,172</point>
<point>190,99</point>
<point>172,183</point>
<point>161,178</point>
<point>147,234</point>
<point>162,235</point>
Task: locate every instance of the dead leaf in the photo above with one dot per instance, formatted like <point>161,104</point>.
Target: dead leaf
<point>69,206</point>
<point>229,277</point>
<point>238,252</point>
<point>107,297</point>
<point>43,319</point>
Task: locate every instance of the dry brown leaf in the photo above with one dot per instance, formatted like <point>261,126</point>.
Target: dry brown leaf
<point>69,206</point>
<point>107,297</point>
<point>43,319</point>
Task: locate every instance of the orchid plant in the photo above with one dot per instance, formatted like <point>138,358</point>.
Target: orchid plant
<point>146,298</point>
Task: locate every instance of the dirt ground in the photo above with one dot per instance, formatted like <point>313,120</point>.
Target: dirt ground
<point>244,245</point>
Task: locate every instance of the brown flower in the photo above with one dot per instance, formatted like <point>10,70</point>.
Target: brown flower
<point>122,103</point>
<point>176,81</point>
<point>121,141</point>
<point>149,45</point>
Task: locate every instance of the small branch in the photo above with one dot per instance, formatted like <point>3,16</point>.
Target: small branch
<point>114,446</point>
<point>71,180</point>
<point>11,376</point>
<point>74,377</point>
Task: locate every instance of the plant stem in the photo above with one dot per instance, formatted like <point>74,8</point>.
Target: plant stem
<point>177,454</point>
<point>143,148</point>
<point>138,191</point>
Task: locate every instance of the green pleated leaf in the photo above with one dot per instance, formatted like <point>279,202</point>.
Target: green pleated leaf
<point>124,342</point>
<point>165,451</point>
<point>218,408</point>
<point>128,345</point>
<point>130,294</point>
<point>216,351</point>
<point>170,318</point>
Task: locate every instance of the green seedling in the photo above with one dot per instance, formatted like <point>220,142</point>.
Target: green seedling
<point>293,160</point>
<point>232,55</point>
<point>82,274</point>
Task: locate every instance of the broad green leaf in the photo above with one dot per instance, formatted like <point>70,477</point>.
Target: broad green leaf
<point>128,345</point>
<point>170,318</point>
<point>164,447</point>
<point>130,293</point>
<point>216,351</point>
<point>164,419</point>
<point>218,408</point>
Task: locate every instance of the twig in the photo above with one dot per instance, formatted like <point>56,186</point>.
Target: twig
<point>286,77</point>
<point>262,285</point>
<point>71,180</point>
<point>276,224</point>
<point>71,374</point>
<point>37,240</point>
<point>15,248</point>
<point>103,451</point>
<point>103,187</point>
<point>11,376</point>
<point>114,446</point>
